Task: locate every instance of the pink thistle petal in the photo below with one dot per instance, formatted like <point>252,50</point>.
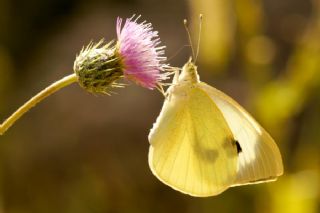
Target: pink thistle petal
<point>142,59</point>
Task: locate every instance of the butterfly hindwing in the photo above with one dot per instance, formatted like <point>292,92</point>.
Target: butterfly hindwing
<point>192,148</point>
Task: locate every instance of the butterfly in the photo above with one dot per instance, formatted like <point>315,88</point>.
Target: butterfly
<point>204,142</point>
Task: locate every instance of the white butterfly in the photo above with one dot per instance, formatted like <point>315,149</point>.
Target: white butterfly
<point>204,142</point>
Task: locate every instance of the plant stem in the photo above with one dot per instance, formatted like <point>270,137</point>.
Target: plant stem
<point>36,99</point>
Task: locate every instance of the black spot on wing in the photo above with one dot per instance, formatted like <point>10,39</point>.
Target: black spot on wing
<point>239,149</point>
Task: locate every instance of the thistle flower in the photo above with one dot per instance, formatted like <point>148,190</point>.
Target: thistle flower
<point>135,56</point>
<point>142,58</point>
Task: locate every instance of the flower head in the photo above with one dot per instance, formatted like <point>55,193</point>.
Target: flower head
<point>135,56</point>
<point>142,58</point>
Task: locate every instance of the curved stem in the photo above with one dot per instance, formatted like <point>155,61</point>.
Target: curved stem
<point>36,99</point>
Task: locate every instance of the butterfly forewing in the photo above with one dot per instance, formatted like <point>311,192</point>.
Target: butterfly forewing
<point>192,148</point>
<point>259,156</point>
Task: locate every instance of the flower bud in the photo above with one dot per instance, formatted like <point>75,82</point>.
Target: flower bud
<point>98,67</point>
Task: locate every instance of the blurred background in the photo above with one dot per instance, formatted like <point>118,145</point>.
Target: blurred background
<point>79,153</point>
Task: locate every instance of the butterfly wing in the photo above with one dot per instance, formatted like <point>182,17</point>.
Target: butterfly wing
<point>259,157</point>
<point>191,146</point>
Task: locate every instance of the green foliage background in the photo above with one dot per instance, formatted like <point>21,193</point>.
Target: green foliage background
<point>77,153</point>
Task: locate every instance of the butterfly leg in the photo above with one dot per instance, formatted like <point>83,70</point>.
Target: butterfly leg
<point>161,90</point>
<point>176,76</point>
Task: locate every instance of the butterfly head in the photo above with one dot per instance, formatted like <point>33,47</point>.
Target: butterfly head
<point>189,73</point>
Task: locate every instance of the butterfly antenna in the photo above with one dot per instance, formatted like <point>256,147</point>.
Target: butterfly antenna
<point>177,52</point>
<point>185,22</point>
<point>199,36</point>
